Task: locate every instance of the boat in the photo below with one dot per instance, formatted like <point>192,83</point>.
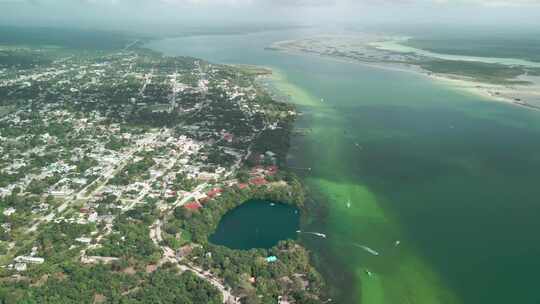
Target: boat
<point>319,234</point>
<point>369,273</point>
<point>397,243</point>
<point>349,204</point>
<point>313,233</point>
<point>272,204</point>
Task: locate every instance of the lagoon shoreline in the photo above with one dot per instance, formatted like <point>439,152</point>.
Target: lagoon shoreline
<point>524,96</point>
<point>357,100</point>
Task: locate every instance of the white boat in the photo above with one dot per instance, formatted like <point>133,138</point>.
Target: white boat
<point>349,204</point>
<point>397,243</point>
<point>313,233</point>
<point>369,273</point>
<point>318,234</point>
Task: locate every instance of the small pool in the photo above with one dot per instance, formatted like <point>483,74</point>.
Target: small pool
<point>257,224</point>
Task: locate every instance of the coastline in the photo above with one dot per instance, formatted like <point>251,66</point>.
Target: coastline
<point>402,278</point>
<point>365,284</point>
<point>396,46</point>
<point>525,96</point>
<point>501,93</point>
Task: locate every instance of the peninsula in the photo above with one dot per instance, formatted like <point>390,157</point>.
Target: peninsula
<point>504,79</point>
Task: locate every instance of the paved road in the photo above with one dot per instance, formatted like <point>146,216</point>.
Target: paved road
<point>191,195</point>
<point>169,255</point>
<point>228,298</point>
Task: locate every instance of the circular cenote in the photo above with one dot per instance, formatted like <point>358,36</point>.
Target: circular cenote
<point>257,224</point>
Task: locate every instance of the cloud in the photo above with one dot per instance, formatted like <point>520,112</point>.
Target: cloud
<point>280,3</point>
<point>492,3</point>
<point>144,14</point>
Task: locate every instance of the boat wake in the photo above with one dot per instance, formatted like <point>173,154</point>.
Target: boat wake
<point>322,235</point>
<point>367,249</point>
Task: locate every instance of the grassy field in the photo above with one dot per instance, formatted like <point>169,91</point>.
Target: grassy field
<point>483,72</point>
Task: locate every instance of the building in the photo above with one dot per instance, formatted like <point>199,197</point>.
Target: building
<point>214,192</point>
<point>9,211</point>
<point>258,181</point>
<point>93,217</point>
<point>84,240</point>
<point>184,251</point>
<point>20,266</point>
<point>29,259</point>
<point>272,170</point>
<point>242,186</point>
<point>271,259</point>
<point>193,206</point>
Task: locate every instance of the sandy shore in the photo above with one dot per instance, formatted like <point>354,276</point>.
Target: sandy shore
<point>520,95</point>
<point>527,96</point>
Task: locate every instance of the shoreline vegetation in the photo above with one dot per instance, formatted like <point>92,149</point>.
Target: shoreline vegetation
<point>494,80</point>
<point>412,278</point>
<point>248,274</point>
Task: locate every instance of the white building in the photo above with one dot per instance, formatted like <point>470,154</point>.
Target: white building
<point>84,240</point>
<point>9,211</point>
<point>29,259</point>
<point>20,266</point>
<point>93,217</point>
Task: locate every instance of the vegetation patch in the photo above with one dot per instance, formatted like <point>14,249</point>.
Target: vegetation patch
<point>249,272</point>
<point>479,71</point>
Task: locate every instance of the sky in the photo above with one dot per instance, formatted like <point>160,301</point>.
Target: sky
<point>145,14</point>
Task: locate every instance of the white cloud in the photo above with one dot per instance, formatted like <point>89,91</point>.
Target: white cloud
<point>285,3</point>
<point>489,2</point>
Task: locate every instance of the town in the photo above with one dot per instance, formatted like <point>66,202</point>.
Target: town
<point>94,146</point>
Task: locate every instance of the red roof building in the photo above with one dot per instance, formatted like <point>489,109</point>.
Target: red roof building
<point>272,170</point>
<point>193,206</point>
<point>258,181</point>
<point>214,192</point>
<point>170,193</point>
<point>228,137</point>
<point>242,186</point>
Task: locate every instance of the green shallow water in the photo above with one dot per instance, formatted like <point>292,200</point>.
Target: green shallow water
<point>451,176</point>
<point>257,224</point>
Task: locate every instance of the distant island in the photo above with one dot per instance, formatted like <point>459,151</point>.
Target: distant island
<point>505,79</point>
